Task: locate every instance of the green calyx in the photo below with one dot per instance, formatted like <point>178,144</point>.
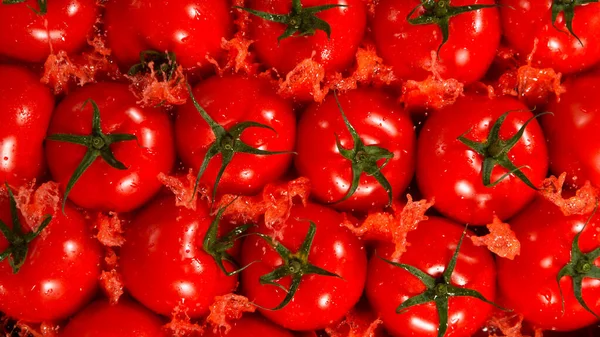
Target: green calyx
<point>439,13</point>
<point>300,21</point>
<point>227,143</point>
<point>495,151</point>
<point>98,145</point>
<point>581,266</point>
<point>568,8</point>
<point>17,240</point>
<point>295,265</point>
<point>364,159</point>
<point>164,64</point>
<point>438,290</point>
<point>42,4</point>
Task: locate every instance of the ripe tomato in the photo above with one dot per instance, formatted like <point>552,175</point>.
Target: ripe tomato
<point>124,319</point>
<point>572,132</point>
<point>26,107</point>
<point>379,122</point>
<point>451,172</point>
<point>60,271</point>
<point>252,101</point>
<point>134,182</point>
<point>163,264</point>
<point>525,21</point>
<point>250,325</point>
<point>319,300</point>
<point>192,29</point>
<point>431,249</point>
<point>528,284</point>
<point>31,37</point>
<point>473,38</point>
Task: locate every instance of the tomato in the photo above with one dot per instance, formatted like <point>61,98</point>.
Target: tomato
<point>473,38</point>
<point>31,37</point>
<point>252,101</point>
<point>325,276</point>
<point>253,325</point>
<point>163,264</point>
<point>128,179</point>
<point>26,107</point>
<point>56,273</point>
<point>379,123</point>
<point>334,51</point>
<point>525,21</point>
<point>192,29</point>
<point>124,319</point>
<point>431,249</point>
<point>572,132</point>
<point>529,283</point>
<point>451,171</point>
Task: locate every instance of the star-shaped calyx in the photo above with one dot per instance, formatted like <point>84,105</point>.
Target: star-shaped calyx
<point>164,64</point>
<point>300,20</point>
<point>17,240</point>
<point>98,145</point>
<point>438,290</point>
<point>567,7</point>
<point>42,4</point>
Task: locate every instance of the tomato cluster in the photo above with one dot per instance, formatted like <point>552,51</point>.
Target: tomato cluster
<point>248,168</point>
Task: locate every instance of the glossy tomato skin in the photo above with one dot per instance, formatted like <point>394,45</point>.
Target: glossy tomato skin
<point>451,172</point>
<point>528,283</point>
<point>334,54</point>
<point>466,56</point>
<point>432,245</point>
<point>192,29</point>
<point>29,37</point>
<point>25,110</point>
<point>163,263</point>
<point>124,319</point>
<point>572,132</point>
<point>153,153</point>
<point>524,21</point>
<point>60,273</point>
<point>320,300</point>
<point>252,100</point>
<point>250,325</point>
<point>379,121</point>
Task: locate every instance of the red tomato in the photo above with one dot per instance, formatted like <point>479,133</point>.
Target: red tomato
<point>163,264</point>
<point>572,132</point>
<point>451,172</point>
<point>525,21</point>
<point>379,122</point>
<point>319,300</point>
<point>528,283</point>
<point>26,107</point>
<point>250,325</point>
<point>251,101</point>
<point>119,190</point>
<point>432,246</point>
<point>31,37</point>
<point>124,319</point>
<point>335,53</point>
<point>60,271</point>
<point>473,39</point>
<point>192,29</point>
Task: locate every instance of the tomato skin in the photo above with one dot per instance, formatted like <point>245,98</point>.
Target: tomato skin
<point>449,171</point>
<point>320,300</point>
<point>572,132</point>
<point>253,325</point>
<point>153,153</point>
<point>526,20</point>
<point>347,24</point>
<point>378,121</point>
<point>162,260</point>
<point>192,29</point>
<point>124,319</point>
<point>252,100</point>
<point>60,273</point>
<point>432,245</point>
<point>466,56</point>
<point>528,283</point>
<point>26,107</point>
<point>29,37</point>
